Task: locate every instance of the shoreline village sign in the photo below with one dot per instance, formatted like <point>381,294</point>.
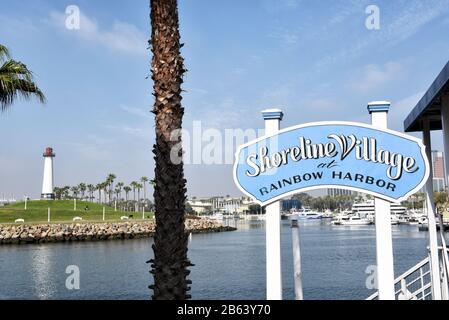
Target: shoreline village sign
<point>371,159</point>
<point>345,155</point>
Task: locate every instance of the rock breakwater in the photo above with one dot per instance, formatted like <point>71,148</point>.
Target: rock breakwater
<point>47,233</point>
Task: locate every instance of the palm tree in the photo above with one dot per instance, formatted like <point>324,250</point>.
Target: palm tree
<point>58,192</point>
<point>104,186</point>
<point>127,189</point>
<point>66,191</point>
<point>169,266</point>
<point>119,186</point>
<point>15,80</point>
<point>82,188</point>
<point>75,191</point>
<point>144,181</point>
<point>99,187</point>
<point>138,187</point>
<point>133,185</point>
<point>91,189</point>
<point>117,193</point>
<point>110,183</point>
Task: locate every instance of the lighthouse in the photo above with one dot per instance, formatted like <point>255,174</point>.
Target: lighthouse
<point>47,184</point>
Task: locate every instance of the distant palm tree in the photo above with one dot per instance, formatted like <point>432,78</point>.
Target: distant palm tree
<point>75,191</point>
<point>133,185</point>
<point>127,189</point>
<point>82,188</point>
<point>144,181</point>
<point>120,186</point>
<point>110,183</point>
<point>66,192</point>
<point>58,192</point>
<point>91,188</point>
<point>117,193</point>
<point>104,186</point>
<point>169,266</point>
<point>99,187</point>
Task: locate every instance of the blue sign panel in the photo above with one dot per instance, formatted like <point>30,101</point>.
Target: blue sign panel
<point>344,155</point>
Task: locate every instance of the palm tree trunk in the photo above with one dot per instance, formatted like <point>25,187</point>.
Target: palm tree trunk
<point>169,266</point>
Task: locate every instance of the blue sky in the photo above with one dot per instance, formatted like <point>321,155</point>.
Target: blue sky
<point>314,59</point>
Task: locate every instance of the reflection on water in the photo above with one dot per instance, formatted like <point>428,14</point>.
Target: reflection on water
<point>228,265</point>
<point>41,272</point>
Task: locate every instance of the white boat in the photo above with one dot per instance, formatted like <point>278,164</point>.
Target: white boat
<point>354,221</point>
<point>423,220</point>
<point>394,219</point>
<point>336,220</point>
<point>307,214</point>
<point>367,207</point>
<point>216,216</point>
<point>413,221</point>
<point>339,218</point>
<point>328,214</point>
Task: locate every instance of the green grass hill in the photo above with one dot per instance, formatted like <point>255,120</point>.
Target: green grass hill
<point>62,211</point>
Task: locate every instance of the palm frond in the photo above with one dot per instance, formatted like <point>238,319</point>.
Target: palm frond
<point>4,53</point>
<point>17,80</point>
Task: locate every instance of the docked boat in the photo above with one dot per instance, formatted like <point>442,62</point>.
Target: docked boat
<point>328,214</point>
<point>336,220</point>
<point>307,214</point>
<point>394,219</point>
<point>216,216</point>
<point>354,221</point>
<point>367,207</point>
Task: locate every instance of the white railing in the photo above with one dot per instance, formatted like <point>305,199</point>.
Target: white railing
<point>414,284</point>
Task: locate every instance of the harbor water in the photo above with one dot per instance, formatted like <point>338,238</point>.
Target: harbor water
<point>228,265</point>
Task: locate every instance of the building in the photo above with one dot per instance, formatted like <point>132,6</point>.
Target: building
<point>289,204</point>
<point>438,164</point>
<point>439,181</point>
<point>333,192</point>
<point>225,205</point>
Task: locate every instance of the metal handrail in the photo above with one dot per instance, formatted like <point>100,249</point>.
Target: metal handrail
<point>414,281</point>
<point>409,272</point>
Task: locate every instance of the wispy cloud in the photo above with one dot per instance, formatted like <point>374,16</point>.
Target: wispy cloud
<point>121,36</point>
<point>287,37</point>
<point>405,23</point>
<point>374,76</point>
<point>141,131</point>
<point>273,6</point>
<point>140,112</point>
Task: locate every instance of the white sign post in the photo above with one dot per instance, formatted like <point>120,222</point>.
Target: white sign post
<point>431,221</point>
<point>382,212</point>
<point>297,260</point>
<point>272,119</point>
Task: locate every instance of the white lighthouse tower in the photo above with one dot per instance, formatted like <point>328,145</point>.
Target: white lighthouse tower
<point>47,184</point>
